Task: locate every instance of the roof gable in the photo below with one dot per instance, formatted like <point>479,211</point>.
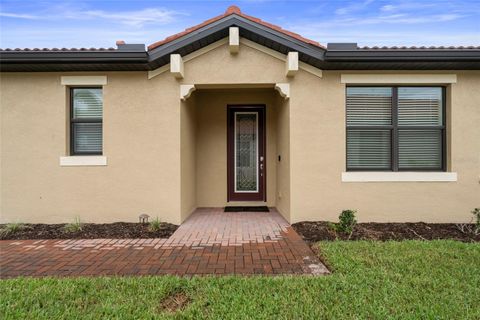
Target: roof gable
<point>250,28</point>
<point>234,10</point>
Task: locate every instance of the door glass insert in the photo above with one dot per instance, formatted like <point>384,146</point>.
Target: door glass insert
<point>246,151</point>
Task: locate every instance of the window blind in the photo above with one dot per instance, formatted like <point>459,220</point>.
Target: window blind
<point>395,128</point>
<point>86,121</point>
<point>419,148</point>
<point>88,137</point>
<point>419,106</point>
<point>368,149</point>
<point>87,103</point>
<point>369,106</point>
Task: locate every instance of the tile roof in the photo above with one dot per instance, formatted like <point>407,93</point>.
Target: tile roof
<point>420,48</point>
<point>230,11</point>
<point>57,49</point>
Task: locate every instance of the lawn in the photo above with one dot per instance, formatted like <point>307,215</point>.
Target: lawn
<point>371,280</point>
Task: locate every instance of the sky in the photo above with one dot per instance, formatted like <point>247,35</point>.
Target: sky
<point>88,23</point>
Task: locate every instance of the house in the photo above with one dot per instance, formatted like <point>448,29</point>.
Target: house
<point>237,111</point>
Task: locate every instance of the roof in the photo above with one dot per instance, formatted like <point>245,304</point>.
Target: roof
<point>57,49</point>
<point>335,56</point>
<point>233,10</point>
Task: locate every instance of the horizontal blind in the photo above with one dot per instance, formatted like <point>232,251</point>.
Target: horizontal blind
<point>87,137</point>
<point>420,106</point>
<point>420,149</point>
<point>87,103</point>
<point>368,149</point>
<point>369,106</point>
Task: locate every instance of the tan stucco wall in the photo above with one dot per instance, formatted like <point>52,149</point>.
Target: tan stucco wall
<point>141,142</point>
<point>150,136</point>
<point>283,150</point>
<point>317,128</point>
<point>188,155</point>
<point>212,142</point>
<point>146,132</point>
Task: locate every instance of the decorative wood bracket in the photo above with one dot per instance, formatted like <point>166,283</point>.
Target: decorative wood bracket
<point>176,65</point>
<point>234,39</point>
<point>186,91</point>
<point>283,89</point>
<point>292,64</point>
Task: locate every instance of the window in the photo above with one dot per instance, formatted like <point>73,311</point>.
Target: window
<point>395,128</point>
<point>86,109</point>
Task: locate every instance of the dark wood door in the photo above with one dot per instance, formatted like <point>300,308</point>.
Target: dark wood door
<point>246,163</point>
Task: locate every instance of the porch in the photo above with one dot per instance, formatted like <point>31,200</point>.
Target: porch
<point>221,165</point>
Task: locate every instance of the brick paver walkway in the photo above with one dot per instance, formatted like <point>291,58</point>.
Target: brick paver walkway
<point>209,242</point>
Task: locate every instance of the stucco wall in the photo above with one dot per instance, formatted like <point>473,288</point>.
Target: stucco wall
<point>188,143</point>
<point>283,151</point>
<point>141,143</point>
<point>317,111</point>
<point>146,131</point>
<point>149,139</point>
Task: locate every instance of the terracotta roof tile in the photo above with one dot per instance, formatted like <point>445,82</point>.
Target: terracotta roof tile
<point>233,10</point>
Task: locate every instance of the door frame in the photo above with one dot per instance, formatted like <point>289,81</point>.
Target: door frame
<point>261,195</point>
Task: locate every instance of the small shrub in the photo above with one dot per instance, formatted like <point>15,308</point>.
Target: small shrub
<point>347,222</point>
<point>476,216</point>
<point>155,225</point>
<point>11,228</point>
<point>468,228</point>
<point>74,226</point>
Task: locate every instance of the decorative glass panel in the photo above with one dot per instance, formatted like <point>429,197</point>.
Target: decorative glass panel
<point>88,137</point>
<point>368,149</point>
<point>369,106</point>
<point>420,149</point>
<point>87,103</point>
<point>419,106</point>
<point>245,152</point>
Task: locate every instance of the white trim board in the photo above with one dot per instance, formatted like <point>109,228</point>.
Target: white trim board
<point>375,176</point>
<point>83,80</point>
<point>72,161</point>
<point>400,78</point>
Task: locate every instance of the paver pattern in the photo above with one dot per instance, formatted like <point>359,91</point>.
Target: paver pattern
<point>209,242</point>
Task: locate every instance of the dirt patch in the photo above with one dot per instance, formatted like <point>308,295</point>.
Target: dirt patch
<point>119,230</point>
<point>313,231</point>
<point>175,302</point>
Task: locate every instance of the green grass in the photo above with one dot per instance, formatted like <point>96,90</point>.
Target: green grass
<point>74,226</point>
<point>371,280</point>
<point>155,225</point>
<point>10,228</point>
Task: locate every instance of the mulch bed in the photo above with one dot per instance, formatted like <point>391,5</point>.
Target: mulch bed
<point>313,231</point>
<point>119,230</point>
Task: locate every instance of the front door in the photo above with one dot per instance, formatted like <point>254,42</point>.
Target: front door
<point>246,153</point>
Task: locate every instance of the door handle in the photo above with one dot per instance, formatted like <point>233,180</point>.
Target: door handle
<point>261,166</point>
